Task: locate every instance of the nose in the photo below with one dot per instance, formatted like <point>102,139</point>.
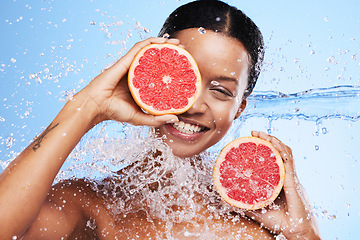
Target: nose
<point>200,105</point>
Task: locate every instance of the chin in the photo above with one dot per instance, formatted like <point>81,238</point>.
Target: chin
<point>182,151</point>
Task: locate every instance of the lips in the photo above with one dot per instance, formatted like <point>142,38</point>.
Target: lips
<point>186,130</point>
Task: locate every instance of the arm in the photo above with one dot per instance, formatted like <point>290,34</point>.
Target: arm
<point>25,183</point>
<point>294,219</point>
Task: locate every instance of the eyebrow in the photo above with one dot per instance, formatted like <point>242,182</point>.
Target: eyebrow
<point>229,79</point>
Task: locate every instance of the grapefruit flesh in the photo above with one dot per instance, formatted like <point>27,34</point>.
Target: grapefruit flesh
<point>164,79</point>
<point>249,173</point>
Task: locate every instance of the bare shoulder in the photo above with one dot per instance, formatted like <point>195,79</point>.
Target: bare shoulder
<point>70,210</point>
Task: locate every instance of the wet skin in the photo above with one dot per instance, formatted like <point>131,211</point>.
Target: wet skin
<point>91,219</point>
<point>223,64</point>
<point>224,78</point>
<point>34,209</point>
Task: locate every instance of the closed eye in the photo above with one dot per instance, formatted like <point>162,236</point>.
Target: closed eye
<point>225,92</point>
<point>222,93</point>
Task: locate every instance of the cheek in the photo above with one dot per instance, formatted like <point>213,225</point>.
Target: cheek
<point>224,116</point>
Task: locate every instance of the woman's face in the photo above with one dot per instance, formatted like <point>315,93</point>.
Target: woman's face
<point>224,66</point>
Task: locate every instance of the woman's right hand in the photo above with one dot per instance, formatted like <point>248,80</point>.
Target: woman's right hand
<point>111,96</point>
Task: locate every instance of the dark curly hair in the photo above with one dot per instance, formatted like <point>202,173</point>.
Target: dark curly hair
<point>220,17</point>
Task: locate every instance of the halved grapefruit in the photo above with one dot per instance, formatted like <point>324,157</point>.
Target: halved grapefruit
<point>164,79</point>
<point>249,173</point>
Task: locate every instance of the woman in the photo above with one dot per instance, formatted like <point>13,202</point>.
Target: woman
<point>229,51</point>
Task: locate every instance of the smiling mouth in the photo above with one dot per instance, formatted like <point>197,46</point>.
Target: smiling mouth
<point>188,128</point>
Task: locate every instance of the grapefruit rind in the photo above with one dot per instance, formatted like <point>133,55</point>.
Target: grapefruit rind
<point>135,92</point>
<point>223,191</point>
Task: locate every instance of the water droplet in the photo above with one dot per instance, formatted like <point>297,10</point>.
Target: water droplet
<point>277,227</point>
<point>68,95</point>
<point>324,130</point>
<point>202,30</point>
<point>280,237</point>
<point>326,19</point>
<point>218,19</point>
<point>215,83</point>
<point>316,147</point>
<point>9,142</point>
<point>13,60</point>
<point>92,23</point>
<point>91,224</point>
<point>331,59</point>
<point>32,75</point>
<point>166,35</point>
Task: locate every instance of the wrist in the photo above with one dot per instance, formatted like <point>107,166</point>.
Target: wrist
<point>84,109</point>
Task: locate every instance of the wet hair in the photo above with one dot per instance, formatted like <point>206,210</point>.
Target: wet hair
<point>220,17</point>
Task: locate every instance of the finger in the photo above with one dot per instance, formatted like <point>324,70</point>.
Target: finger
<point>285,151</point>
<point>151,120</point>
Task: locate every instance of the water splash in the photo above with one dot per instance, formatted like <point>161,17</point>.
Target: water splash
<point>202,30</point>
<point>338,102</point>
<point>152,180</point>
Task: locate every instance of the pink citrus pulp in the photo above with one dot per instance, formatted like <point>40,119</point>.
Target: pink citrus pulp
<point>249,173</point>
<point>164,79</point>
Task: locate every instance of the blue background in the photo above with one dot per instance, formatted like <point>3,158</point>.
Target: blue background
<point>51,49</point>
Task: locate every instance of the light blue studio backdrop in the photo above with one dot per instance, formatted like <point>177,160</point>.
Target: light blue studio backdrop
<point>307,95</point>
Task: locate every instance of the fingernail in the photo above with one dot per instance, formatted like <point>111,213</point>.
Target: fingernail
<point>172,120</point>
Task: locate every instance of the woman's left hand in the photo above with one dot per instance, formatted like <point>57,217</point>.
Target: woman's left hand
<point>293,217</point>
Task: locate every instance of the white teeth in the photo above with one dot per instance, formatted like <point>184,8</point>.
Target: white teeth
<point>186,127</point>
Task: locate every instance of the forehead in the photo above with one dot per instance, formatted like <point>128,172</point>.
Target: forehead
<point>216,53</point>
